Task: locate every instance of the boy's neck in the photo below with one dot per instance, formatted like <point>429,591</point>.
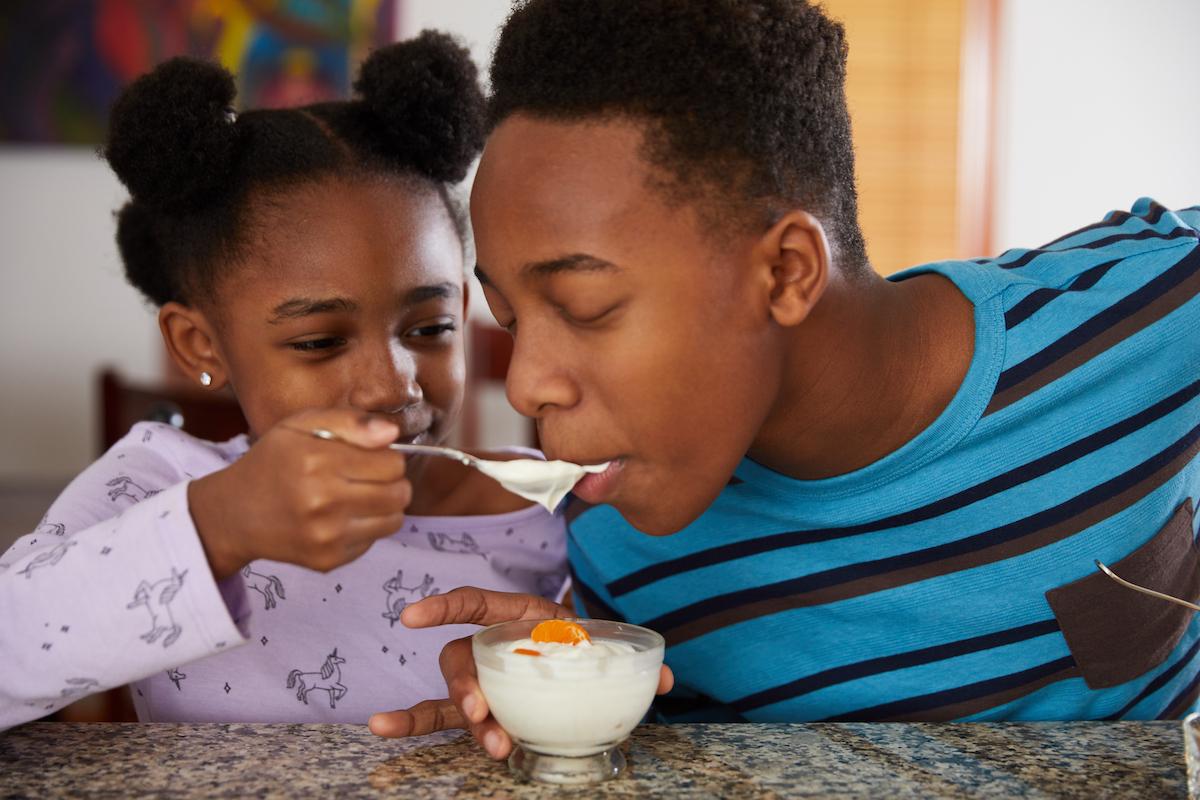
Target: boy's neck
<point>874,364</point>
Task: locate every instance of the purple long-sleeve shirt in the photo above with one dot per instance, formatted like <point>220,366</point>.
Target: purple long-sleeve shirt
<point>113,588</point>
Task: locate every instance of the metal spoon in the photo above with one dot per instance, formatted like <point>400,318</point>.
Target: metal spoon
<point>1104,568</point>
<point>543,482</point>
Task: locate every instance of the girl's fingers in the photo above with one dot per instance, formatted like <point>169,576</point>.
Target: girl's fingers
<point>356,465</point>
<point>473,606</point>
<point>493,738</point>
<point>363,531</point>
<point>366,501</point>
<point>666,680</point>
<point>355,427</point>
<point>425,717</point>
<point>458,669</point>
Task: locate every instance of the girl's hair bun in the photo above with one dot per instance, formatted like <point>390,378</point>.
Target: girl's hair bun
<point>426,93</point>
<point>171,138</point>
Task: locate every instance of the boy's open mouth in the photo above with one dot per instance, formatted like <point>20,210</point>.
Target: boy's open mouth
<point>599,487</point>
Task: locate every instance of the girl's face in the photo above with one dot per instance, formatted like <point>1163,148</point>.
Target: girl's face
<point>351,295</point>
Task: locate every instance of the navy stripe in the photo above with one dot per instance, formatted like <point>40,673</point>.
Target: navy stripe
<point>1174,233</point>
<point>875,666</point>
<point>1007,480</point>
<point>1153,686</point>
<point>1125,307</point>
<point>1115,219</point>
<point>591,600</point>
<point>972,691</point>
<point>1183,693</point>
<point>970,544</point>
<point>1035,301</point>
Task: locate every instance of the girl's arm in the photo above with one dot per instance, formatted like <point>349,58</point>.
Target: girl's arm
<point>112,586</point>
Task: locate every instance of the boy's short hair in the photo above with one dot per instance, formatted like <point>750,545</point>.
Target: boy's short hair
<point>744,100</point>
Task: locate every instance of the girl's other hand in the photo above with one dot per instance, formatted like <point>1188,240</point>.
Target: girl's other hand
<point>302,500</point>
<point>466,706</point>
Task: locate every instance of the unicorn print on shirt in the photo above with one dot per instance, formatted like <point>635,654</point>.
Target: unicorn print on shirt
<point>76,687</point>
<point>269,586</point>
<point>51,529</point>
<point>399,595</point>
<point>47,558</point>
<point>175,676</point>
<point>157,597</point>
<point>124,486</point>
<point>327,679</point>
<point>446,543</point>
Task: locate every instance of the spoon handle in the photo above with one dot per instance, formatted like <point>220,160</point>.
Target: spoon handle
<point>430,450</point>
<point>1104,568</point>
<point>416,449</point>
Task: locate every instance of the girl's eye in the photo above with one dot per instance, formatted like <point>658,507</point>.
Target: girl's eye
<point>428,331</point>
<point>315,345</point>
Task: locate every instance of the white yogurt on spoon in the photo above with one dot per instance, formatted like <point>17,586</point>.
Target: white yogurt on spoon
<point>544,482</point>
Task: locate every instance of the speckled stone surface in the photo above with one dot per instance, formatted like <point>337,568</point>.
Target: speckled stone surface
<point>1142,760</point>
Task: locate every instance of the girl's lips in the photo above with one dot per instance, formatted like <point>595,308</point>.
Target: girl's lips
<point>598,487</point>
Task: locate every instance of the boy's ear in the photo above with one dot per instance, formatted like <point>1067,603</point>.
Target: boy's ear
<point>191,342</point>
<point>794,256</point>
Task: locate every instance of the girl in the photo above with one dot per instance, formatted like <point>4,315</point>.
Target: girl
<point>312,260</point>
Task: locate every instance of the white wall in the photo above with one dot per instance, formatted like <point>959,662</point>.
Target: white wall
<point>65,309</point>
<point>1098,104</point>
<point>476,22</point>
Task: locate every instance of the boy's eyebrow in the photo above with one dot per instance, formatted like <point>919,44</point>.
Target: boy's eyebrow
<point>305,306</point>
<point>576,262</point>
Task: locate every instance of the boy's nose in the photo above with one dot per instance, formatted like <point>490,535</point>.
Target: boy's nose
<point>536,383</point>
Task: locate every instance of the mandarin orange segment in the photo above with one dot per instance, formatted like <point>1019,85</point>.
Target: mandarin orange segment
<point>560,630</point>
<point>525,652</point>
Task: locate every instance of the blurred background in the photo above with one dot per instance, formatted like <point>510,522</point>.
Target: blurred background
<point>980,125</point>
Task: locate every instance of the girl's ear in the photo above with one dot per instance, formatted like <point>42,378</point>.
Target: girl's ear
<point>794,256</point>
<point>191,341</point>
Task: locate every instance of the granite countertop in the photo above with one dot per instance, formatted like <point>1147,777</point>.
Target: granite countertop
<point>1131,759</point>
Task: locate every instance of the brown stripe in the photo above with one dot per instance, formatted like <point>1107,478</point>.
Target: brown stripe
<point>1110,337</point>
<point>1182,704</point>
<point>974,706</point>
<point>901,577</point>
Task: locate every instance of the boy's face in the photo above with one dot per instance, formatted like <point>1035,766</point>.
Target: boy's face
<point>351,296</point>
<point>639,335</point>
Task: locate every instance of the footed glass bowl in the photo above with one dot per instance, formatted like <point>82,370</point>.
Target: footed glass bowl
<point>568,708</point>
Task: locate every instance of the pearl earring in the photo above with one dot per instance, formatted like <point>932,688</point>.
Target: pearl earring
<point>205,379</point>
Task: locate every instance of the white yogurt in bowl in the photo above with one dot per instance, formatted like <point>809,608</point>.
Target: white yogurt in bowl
<point>568,706</point>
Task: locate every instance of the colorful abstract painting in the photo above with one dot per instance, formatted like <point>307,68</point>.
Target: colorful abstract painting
<point>63,62</point>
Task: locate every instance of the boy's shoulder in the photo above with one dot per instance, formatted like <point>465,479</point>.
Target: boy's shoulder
<point>1120,249</point>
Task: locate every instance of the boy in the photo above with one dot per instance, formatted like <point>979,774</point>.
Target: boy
<point>886,497</point>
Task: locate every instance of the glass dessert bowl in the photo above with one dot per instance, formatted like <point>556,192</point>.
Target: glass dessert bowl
<point>568,692</point>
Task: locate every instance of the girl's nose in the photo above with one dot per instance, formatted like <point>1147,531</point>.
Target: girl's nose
<point>387,382</point>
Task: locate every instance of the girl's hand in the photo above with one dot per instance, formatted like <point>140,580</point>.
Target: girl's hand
<point>466,707</point>
<point>303,500</point>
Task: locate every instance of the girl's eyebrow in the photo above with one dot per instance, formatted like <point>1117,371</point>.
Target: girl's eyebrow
<point>437,291</point>
<point>305,306</point>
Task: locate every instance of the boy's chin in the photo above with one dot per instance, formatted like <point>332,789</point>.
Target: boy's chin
<point>654,519</point>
